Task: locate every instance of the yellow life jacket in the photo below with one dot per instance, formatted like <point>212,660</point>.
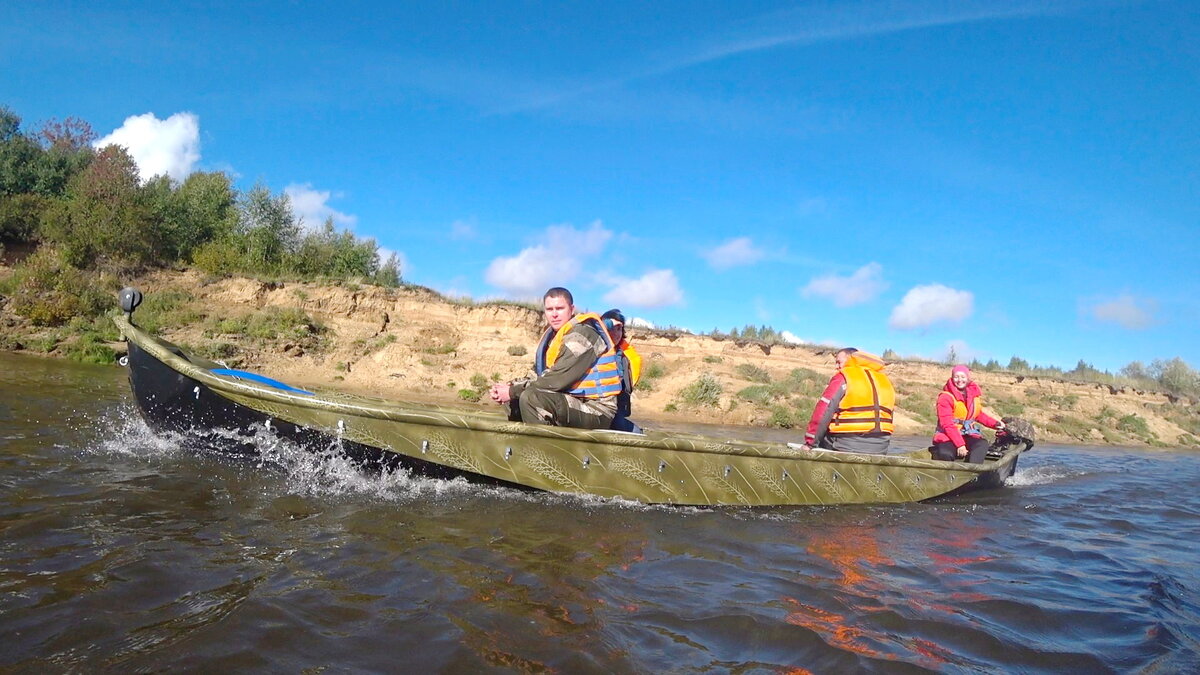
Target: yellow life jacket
<point>635,361</point>
<point>603,379</point>
<point>867,406</point>
<point>965,419</point>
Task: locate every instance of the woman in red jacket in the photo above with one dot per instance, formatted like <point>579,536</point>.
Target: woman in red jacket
<point>959,414</point>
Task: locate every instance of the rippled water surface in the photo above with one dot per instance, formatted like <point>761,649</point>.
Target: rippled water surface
<point>121,551</point>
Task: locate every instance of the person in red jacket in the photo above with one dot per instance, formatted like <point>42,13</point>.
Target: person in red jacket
<point>959,415</point>
<point>854,413</point>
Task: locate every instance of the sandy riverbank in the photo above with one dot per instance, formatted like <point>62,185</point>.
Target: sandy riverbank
<point>410,343</point>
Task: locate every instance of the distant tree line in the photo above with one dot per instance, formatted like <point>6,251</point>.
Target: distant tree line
<point>764,334</point>
<point>1173,375</point>
<point>90,220</point>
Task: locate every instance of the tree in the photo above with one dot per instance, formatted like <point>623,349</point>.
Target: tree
<point>1176,376</point>
<point>19,156</point>
<point>68,151</point>
<point>268,229</point>
<point>1135,370</point>
<point>388,273</point>
<point>1017,364</point>
<point>202,209</point>
<point>104,221</point>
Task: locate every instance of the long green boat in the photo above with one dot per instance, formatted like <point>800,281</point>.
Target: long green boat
<point>215,405</point>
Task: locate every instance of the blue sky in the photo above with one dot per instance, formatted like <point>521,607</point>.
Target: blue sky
<point>1010,178</point>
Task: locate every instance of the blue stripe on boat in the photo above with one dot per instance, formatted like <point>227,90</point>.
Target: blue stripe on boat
<point>244,375</point>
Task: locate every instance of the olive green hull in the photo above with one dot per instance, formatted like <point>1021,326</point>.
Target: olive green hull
<point>659,468</point>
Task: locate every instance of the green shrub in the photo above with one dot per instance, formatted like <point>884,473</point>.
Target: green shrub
<point>753,373</point>
<point>713,359</point>
<point>471,395</point>
<point>89,349</point>
<point>703,391</point>
<point>782,417</point>
<point>758,394</point>
<point>167,308</point>
<point>654,370</point>
<point>1064,401</point>
<point>517,350</point>
<point>1007,407</point>
<point>478,380</point>
<point>1132,424</point>
<point>49,292</point>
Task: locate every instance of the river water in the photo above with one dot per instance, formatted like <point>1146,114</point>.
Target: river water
<point>124,552</point>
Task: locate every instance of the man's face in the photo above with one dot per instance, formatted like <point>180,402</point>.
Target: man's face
<point>558,311</point>
<point>841,358</point>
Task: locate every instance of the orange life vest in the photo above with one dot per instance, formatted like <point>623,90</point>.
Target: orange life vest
<point>869,400</point>
<point>603,379</point>
<point>964,417</point>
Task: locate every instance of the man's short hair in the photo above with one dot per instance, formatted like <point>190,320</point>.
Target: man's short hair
<point>559,292</point>
<point>847,350</point>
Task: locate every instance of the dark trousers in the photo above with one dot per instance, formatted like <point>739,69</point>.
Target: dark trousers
<point>977,448</point>
<point>536,406</point>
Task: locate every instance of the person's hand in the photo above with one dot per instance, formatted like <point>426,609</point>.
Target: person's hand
<point>962,451</point>
<point>1000,426</point>
<point>806,446</point>
<point>501,392</point>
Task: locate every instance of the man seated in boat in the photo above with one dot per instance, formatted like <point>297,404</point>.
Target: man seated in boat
<point>854,413</point>
<point>576,378</point>
<point>630,363</point>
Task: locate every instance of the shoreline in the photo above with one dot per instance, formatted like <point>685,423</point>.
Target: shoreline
<point>411,343</point>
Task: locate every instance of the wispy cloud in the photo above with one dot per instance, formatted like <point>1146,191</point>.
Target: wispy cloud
<point>312,207</point>
<point>809,25</point>
<point>1126,311</point>
<point>864,285</point>
<point>926,305</point>
<point>461,230</point>
<point>733,253</point>
<point>170,146</point>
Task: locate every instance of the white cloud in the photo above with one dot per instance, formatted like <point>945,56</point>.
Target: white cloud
<point>864,285</point>
<point>639,322</point>
<point>312,207</point>
<point>658,288</point>
<point>1126,311</point>
<point>554,262</point>
<point>926,305</point>
<point>791,338</point>
<point>170,146</point>
<point>739,251</point>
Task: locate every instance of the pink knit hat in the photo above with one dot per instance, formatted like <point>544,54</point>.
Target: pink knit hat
<point>960,369</point>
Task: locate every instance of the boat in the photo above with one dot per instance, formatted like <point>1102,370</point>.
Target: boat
<point>180,393</point>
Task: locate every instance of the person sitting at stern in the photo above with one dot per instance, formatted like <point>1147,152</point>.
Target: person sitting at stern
<point>959,413</point>
<point>576,378</point>
<point>854,413</point>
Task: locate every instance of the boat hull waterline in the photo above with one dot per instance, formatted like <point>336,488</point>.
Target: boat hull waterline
<point>179,393</point>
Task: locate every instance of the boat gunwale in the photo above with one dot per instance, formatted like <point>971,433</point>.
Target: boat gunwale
<point>486,422</point>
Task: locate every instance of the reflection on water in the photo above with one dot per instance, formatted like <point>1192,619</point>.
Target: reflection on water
<point>120,550</point>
